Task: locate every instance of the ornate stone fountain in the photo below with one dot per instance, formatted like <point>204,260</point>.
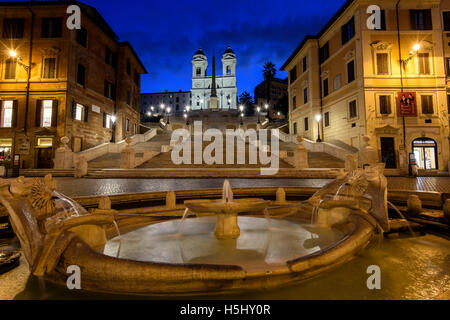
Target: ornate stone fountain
<point>226,210</point>
<point>56,232</point>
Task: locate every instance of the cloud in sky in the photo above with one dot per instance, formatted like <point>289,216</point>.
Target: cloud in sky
<point>166,34</point>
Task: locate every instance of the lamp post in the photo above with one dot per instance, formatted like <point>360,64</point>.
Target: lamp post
<point>186,115</point>
<point>258,109</point>
<point>241,108</point>
<point>318,118</point>
<point>168,114</point>
<point>113,136</point>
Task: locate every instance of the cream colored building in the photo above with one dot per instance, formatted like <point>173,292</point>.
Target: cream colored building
<point>353,77</point>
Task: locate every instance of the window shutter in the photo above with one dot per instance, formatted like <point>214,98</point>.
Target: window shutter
<point>86,113</point>
<point>104,119</point>
<point>14,114</point>
<point>38,113</point>
<point>74,109</point>
<point>55,113</point>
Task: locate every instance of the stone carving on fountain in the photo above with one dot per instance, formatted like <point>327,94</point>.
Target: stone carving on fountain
<point>46,221</point>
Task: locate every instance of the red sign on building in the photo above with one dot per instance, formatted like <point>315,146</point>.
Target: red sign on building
<point>407,106</point>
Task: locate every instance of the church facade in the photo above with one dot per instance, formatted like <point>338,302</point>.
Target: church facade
<point>226,90</point>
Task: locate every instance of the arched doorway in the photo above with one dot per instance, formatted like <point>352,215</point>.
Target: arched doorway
<point>425,153</point>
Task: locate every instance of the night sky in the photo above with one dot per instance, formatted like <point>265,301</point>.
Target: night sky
<point>166,34</point>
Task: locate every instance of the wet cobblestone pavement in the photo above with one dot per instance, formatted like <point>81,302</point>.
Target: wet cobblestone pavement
<point>87,187</point>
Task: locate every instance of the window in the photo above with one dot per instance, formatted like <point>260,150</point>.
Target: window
<point>383,20</point>
<point>427,104</point>
<point>351,71</point>
<point>382,64</point>
<point>127,124</point>
<point>348,31</point>
<point>81,74</point>
<point>110,90</point>
<point>47,111</point>
<point>385,104</point>
<point>82,37</point>
<point>294,102</point>
<point>306,124</point>
<point>446,17</point>
<point>448,67</point>
<point>128,98</point>
<point>325,87</point>
<point>49,68</point>
<point>295,127</point>
<point>305,95</point>
<point>421,19</point>
<point>352,109</point>
<point>198,71</point>
<point>110,57</point>
<point>8,112</point>
<point>326,119</point>
<point>78,112</point>
<point>10,69</point>
<point>134,128</point>
<point>51,28</point>
<point>448,103</point>
<point>128,67</point>
<point>423,60</point>
<point>324,53</point>
<point>293,75</point>
<point>107,120</point>
<point>304,64</point>
<point>228,70</point>
<point>136,77</point>
<point>337,82</point>
<point>13,28</point>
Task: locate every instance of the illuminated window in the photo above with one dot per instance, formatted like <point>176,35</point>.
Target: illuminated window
<point>108,121</point>
<point>79,112</point>
<point>7,114</point>
<point>45,142</point>
<point>47,113</point>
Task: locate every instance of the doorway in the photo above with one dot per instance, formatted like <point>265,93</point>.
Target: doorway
<point>388,152</point>
<point>425,153</point>
<point>44,158</point>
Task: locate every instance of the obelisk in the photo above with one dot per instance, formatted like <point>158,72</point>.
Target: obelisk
<point>213,103</point>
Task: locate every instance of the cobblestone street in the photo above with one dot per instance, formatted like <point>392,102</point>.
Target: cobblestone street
<point>437,184</point>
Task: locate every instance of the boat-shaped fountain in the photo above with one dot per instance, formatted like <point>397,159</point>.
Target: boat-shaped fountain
<point>219,246</point>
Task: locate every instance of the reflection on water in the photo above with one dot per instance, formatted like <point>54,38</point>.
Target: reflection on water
<point>258,247</point>
<point>94,187</point>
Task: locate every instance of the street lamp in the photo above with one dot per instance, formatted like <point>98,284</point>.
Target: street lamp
<point>412,54</point>
<point>12,53</point>
<point>242,117</point>
<point>318,118</point>
<point>258,109</point>
<point>188,108</point>
<point>168,114</point>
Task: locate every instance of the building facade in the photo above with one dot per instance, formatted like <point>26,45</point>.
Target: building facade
<point>225,84</point>
<point>390,82</point>
<point>57,82</point>
<point>155,102</point>
<point>269,92</point>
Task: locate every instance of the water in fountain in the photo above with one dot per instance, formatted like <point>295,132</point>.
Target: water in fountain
<point>411,231</point>
<point>119,237</point>
<point>227,193</point>
<point>182,220</point>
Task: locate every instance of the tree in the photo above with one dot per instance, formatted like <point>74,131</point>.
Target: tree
<point>246,100</point>
<point>269,71</point>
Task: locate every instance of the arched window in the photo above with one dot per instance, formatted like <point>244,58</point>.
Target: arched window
<point>228,70</point>
<point>198,71</point>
